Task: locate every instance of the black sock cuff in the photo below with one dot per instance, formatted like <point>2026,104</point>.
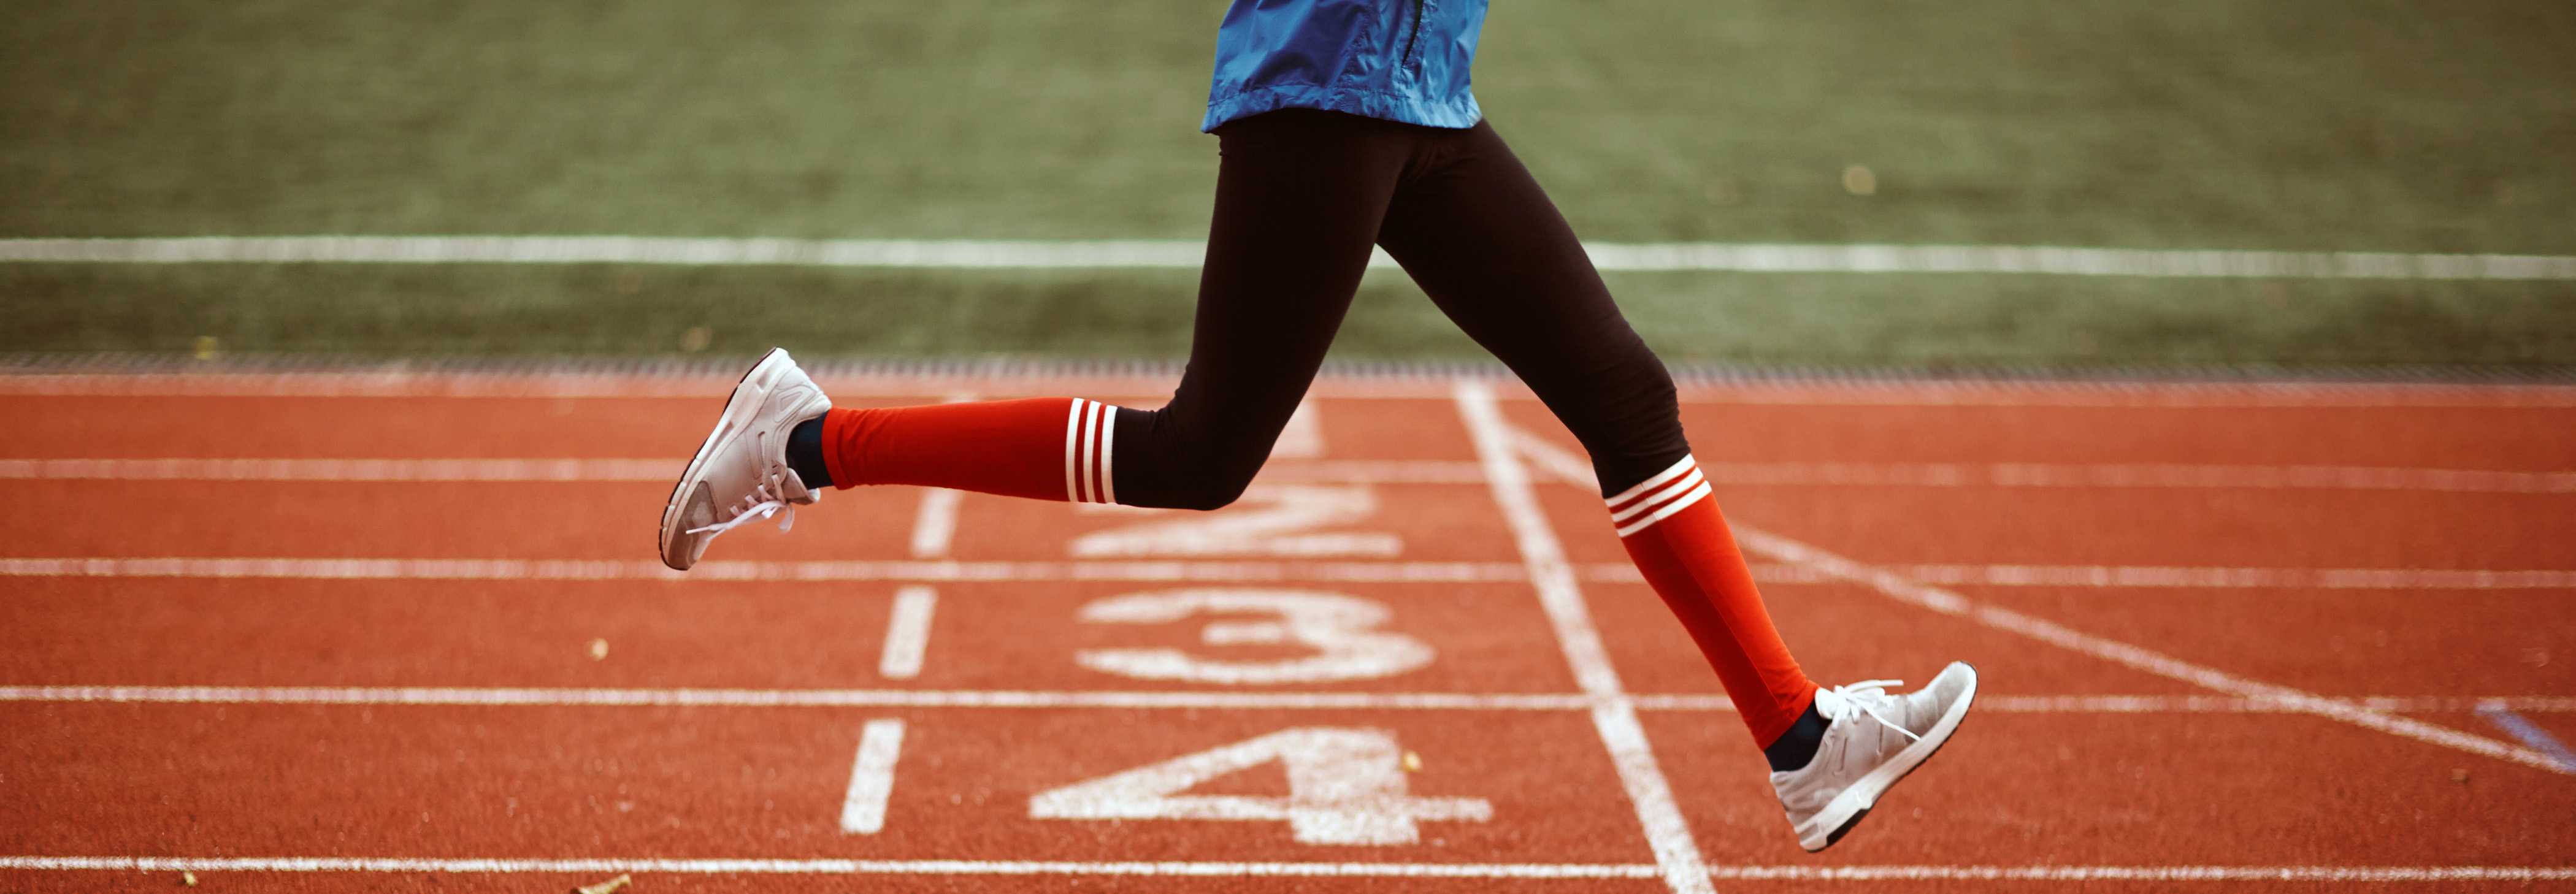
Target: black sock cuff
<point>805,454</point>
<point>1797,747</point>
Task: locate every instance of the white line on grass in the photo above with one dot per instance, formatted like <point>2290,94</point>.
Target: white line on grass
<point>1190,701</point>
<point>937,519</point>
<point>1902,589</point>
<point>1040,378</point>
<point>863,810</point>
<point>1613,714</point>
<point>1146,253</point>
<point>727,571</point>
<point>752,866</point>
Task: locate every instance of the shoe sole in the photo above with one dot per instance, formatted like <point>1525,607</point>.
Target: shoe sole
<point>1864,794</point>
<point>736,418</point>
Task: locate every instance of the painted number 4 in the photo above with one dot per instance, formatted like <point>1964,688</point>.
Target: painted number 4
<point>1345,786</point>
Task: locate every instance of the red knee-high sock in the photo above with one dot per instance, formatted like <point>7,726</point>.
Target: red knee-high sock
<point>1045,448</point>
<point>1675,534</point>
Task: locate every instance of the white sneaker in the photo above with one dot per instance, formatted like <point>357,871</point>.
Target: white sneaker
<point>1874,740</point>
<point>741,472</point>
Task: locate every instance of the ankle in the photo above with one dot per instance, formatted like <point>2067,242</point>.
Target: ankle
<point>1796,748</point>
<point>805,454</point>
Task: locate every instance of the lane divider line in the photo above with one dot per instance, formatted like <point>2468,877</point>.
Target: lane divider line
<point>907,637</point>
<point>1564,465</point>
<point>1185,254</point>
<point>752,866</point>
<point>1743,474</point>
<point>863,809</point>
<point>1187,700</point>
<point>2118,576</point>
<point>727,571</point>
<point>1614,715</point>
<point>932,571</point>
<point>1898,587</point>
<point>934,525</point>
<point>834,867</point>
<point>2502,715</point>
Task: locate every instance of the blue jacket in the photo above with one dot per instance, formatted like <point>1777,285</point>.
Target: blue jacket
<point>1401,60</point>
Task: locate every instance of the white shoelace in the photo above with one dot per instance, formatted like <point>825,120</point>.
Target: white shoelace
<point>763,502</point>
<point>1865,696</point>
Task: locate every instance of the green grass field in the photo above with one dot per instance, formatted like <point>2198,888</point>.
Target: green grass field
<point>2289,125</point>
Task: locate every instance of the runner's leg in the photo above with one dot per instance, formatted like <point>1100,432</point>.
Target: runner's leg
<point>1299,197</point>
<point>1478,234</point>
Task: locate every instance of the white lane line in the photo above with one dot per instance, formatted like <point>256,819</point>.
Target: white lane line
<point>364,470</point>
<point>2502,715</point>
<point>940,506</point>
<point>1667,831</point>
<point>2149,873</point>
<point>1558,462</point>
<point>1303,437</point>
<point>872,778</point>
<point>722,571</point>
<point>745,866</point>
<point>2136,476</point>
<point>766,698</point>
<point>1193,701</point>
<point>934,526</point>
<point>436,470</point>
<point>1164,253</point>
<point>907,636</point>
<point>760,866</point>
<point>1565,466</point>
<point>1898,587</point>
<point>1018,377</point>
<point>2234,578</point>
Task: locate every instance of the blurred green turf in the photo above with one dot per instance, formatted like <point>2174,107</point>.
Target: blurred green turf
<point>2301,125</point>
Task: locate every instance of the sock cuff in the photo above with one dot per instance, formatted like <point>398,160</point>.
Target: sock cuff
<point>1090,430</point>
<point>1655,499</point>
<point>1773,728</point>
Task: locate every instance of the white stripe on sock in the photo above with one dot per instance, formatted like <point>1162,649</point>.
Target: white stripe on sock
<point>1072,434</point>
<point>1696,495</point>
<point>1082,472</point>
<point>1669,492</point>
<point>1098,451</point>
<point>1676,471</point>
<point>1108,432</point>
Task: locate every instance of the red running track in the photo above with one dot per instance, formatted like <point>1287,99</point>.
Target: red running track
<point>440,684</point>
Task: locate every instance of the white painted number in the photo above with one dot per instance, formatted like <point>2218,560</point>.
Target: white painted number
<point>1270,520</point>
<point>1342,630</point>
<point>1345,786</point>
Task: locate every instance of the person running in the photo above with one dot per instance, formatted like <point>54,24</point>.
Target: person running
<point>1342,125</point>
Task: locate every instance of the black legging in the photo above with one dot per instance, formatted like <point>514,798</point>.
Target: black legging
<point>1300,197</point>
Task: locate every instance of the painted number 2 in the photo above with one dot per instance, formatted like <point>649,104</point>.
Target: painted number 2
<point>1341,629</point>
<point>1345,786</point>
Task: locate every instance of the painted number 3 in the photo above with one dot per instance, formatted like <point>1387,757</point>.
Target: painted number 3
<point>1341,629</point>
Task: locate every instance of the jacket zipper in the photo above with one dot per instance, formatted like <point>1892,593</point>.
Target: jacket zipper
<point>1416,37</point>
